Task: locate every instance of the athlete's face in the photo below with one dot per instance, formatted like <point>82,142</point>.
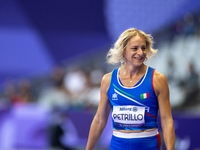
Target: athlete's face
<point>135,52</point>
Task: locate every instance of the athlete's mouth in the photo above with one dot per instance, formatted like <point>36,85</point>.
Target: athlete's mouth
<point>139,58</point>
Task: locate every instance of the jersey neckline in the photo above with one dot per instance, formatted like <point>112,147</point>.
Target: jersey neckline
<point>118,80</point>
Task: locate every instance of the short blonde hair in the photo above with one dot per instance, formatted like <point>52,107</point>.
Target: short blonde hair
<point>115,54</point>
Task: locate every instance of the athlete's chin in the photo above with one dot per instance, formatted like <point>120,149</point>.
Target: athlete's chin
<point>138,63</point>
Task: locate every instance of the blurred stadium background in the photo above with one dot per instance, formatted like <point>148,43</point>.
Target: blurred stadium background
<point>52,59</point>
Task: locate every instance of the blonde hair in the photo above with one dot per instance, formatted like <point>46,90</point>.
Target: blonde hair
<point>115,54</point>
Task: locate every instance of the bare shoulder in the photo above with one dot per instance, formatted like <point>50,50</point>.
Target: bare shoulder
<point>159,76</point>
<point>159,82</point>
<point>106,78</point>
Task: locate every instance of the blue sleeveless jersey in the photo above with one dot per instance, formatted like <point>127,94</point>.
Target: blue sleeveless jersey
<point>133,108</point>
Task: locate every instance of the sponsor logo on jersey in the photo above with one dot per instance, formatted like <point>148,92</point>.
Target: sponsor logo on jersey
<point>128,109</point>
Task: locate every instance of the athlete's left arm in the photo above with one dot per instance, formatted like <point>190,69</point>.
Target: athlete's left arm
<point>162,92</point>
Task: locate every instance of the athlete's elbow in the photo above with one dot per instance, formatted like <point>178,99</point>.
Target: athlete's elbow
<point>100,122</point>
<point>166,123</point>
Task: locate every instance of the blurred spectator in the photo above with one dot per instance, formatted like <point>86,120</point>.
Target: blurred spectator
<point>57,100</point>
<point>94,94</point>
<point>191,85</point>
<point>178,28</point>
<point>171,71</point>
<point>197,32</point>
<point>91,95</point>
<point>25,91</point>
<point>76,82</point>
<point>56,96</point>
<point>189,27</point>
<point>11,93</point>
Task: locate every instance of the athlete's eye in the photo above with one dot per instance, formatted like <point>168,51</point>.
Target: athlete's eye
<point>143,48</point>
<point>134,48</point>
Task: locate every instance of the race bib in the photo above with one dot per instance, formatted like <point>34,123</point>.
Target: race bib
<point>128,116</point>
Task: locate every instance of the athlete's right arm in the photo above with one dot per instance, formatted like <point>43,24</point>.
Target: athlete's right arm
<point>100,120</point>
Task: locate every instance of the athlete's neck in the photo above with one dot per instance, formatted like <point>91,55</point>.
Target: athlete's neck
<point>133,71</point>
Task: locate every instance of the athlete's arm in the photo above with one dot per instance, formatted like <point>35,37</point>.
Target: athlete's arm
<point>100,120</point>
<point>162,92</point>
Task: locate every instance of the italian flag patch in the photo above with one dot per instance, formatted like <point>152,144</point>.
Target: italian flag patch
<point>144,95</point>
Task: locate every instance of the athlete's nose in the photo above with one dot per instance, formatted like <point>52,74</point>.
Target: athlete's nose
<point>140,52</point>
